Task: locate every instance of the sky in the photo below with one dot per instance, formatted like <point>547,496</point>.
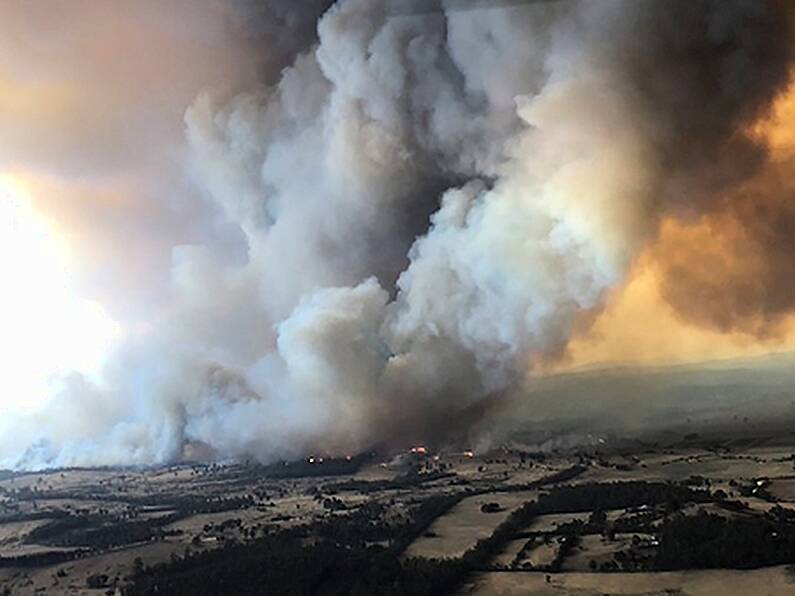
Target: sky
<point>258,228</point>
<point>94,192</point>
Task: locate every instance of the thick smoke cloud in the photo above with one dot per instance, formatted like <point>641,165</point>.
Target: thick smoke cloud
<point>428,201</point>
<point>732,269</point>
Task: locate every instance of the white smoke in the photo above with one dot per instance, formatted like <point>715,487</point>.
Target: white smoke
<point>427,201</point>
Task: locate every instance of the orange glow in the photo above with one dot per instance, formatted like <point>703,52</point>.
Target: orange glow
<point>777,129</point>
<point>639,327</point>
<point>673,306</point>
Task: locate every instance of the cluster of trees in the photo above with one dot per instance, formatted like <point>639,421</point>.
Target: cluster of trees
<point>41,559</point>
<point>99,531</point>
<point>281,565</point>
<point>712,541</point>
<point>102,529</point>
<point>619,495</point>
<point>596,498</point>
<point>412,478</point>
<point>638,522</point>
<point>305,468</point>
<point>193,504</point>
<point>367,524</point>
<point>338,562</point>
<point>416,477</point>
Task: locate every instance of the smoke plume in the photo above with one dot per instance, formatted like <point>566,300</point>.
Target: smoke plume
<point>410,208</point>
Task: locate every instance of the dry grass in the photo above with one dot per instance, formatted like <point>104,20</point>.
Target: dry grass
<point>772,581</point>
<point>458,530</point>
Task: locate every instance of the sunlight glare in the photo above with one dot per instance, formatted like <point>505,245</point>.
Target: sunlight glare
<point>46,329</point>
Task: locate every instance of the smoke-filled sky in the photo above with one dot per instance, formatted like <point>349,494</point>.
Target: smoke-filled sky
<point>257,228</point>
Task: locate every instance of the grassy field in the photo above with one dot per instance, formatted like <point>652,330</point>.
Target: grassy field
<point>453,534</point>
<point>773,581</point>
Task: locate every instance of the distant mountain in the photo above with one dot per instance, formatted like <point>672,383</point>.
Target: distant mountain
<point>738,393</point>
